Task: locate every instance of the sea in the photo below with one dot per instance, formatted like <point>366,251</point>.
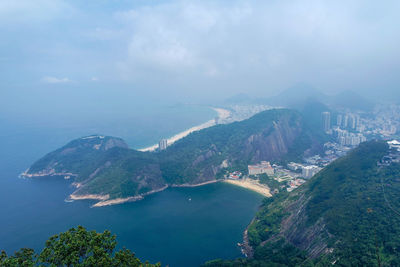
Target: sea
<point>177,227</point>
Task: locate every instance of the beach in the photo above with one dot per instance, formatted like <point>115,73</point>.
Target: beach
<point>222,114</point>
<point>252,185</point>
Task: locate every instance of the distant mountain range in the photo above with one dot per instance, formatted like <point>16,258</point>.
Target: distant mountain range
<point>104,168</point>
<point>298,95</point>
<point>347,215</point>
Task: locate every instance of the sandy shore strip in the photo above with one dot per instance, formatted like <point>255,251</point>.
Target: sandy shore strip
<point>89,196</point>
<point>252,185</point>
<point>104,200</point>
<point>222,114</point>
<point>109,202</point>
<point>116,201</point>
<point>196,185</point>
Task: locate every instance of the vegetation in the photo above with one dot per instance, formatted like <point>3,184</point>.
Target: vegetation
<point>104,165</point>
<point>348,214</point>
<point>269,181</point>
<point>76,247</point>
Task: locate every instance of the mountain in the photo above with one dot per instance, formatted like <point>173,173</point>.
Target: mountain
<point>346,215</point>
<point>296,96</point>
<point>299,95</point>
<point>105,168</point>
<point>352,100</point>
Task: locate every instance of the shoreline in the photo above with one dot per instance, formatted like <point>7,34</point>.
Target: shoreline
<point>196,185</point>
<point>88,197</point>
<point>222,114</point>
<point>104,200</point>
<point>251,185</point>
<point>116,201</point>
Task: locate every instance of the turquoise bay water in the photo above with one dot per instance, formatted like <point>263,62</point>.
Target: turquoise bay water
<point>164,227</point>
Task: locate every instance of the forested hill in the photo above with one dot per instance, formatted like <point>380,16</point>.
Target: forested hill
<point>347,215</point>
<point>105,167</point>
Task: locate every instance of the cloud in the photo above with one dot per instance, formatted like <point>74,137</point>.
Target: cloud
<point>55,80</point>
<point>26,11</point>
<point>331,44</point>
<point>210,47</point>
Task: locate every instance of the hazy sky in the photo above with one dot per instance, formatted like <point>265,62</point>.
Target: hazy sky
<point>60,49</point>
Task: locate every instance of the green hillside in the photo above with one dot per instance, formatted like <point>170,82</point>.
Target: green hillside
<point>106,166</point>
<point>347,215</point>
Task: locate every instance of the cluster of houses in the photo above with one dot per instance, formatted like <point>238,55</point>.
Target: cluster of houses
<point>394,154</point>
<point>292,177</point>
<point>235,175</point>
<point>293,184</point>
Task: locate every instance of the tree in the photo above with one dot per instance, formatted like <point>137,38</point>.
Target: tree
<point>76,247</point>
<point>25,257</point>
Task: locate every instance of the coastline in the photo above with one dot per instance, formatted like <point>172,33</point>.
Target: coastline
<point>251,185</point>
<point>104,200</point>
<point>89,196</point>
<point>196,185</point>
<point>127,199</point>
<point>222,114</point>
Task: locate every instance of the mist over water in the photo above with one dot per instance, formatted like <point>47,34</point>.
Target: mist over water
<point>164,227</point>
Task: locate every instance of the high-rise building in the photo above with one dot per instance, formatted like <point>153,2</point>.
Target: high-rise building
<point>353,121</point>
<point>309,171</point>
<point>342,140</point>
<point>345,121</point>
<point>357,119</point>
<point>326,120</point>
<point>339,120</point>
<point>162,145</point>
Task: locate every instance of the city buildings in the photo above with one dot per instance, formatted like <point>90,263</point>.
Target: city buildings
<point>310,171</point>
<point>263,167</point>
<point>326,121</point>
<point>394,144</point>
<point>162,145</point>
<point>339,120</point>
<point>345,121</point>
<point>294,166</point>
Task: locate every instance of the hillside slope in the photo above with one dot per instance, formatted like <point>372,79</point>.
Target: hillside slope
<point>105,168</point>
<point>346,215</point>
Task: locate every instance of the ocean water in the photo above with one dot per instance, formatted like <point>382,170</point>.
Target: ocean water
<point>165,227</point>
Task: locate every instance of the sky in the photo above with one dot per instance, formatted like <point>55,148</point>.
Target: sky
<point>58,51</point>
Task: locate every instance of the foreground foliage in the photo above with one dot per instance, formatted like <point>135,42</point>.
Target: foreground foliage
<point>76,247</point>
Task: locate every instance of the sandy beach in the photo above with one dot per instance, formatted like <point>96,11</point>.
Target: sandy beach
<point>252,185</point>
<point>222,114</point>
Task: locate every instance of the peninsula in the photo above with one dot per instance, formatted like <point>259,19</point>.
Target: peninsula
<point>103,168</point>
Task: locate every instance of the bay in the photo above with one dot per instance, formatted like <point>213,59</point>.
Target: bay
<point>179,226</point>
